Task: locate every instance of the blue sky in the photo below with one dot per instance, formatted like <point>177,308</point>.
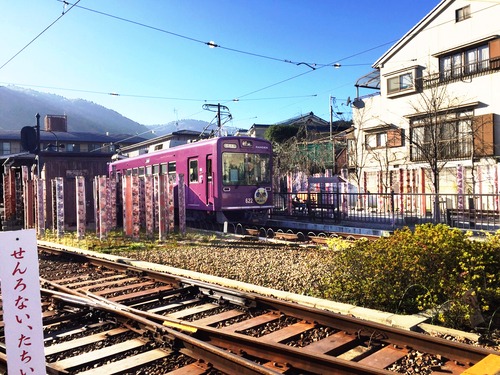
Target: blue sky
<point>153,53</point>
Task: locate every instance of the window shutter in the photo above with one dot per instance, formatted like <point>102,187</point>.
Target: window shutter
<point>394,138</point>
<point>483,135</point>
<point>494,47</point>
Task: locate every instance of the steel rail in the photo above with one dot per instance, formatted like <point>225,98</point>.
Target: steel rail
<point>230,342</point>
<point>221,359</point>
<point>453,351</point>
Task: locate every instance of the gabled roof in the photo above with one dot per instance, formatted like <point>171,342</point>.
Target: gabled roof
<point>413,32</point>
<point>311,117</point>
<point>74,137</point>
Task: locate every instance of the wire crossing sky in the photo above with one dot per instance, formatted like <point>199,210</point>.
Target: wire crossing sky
<point>160,61</point>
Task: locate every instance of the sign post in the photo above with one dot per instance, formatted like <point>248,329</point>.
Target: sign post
<point>22,312</point>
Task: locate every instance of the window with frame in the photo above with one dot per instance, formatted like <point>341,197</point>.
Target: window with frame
<point>462,13</point>
<point>465,62</point>
<point>209,170</point>
<point>193,170</point>
<point>5,148</point>
<point>375,140</point>
<point>399,83</point>
<point>73,147</point>
<point>444,137</point>
<point>94,147</point>
<point>172,168</point>
<point>163,168</point>
<point>245,168</point>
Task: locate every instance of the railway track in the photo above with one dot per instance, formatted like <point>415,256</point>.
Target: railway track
<point>305,236</point>
<point>287,234</point>
<point>106,317</point>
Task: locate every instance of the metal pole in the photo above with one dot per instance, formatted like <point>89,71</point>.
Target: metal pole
<point>218,119</point>
<point>39,164</point>
<point>334,167</point>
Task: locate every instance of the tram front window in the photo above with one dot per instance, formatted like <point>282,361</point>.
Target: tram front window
<point>245,169</point>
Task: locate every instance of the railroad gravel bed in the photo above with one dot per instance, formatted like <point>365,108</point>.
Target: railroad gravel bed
<point>290,268</point>
<point>285,267</point>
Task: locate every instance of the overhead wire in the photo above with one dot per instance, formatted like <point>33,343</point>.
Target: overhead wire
<point>153,96</point>
<point>312,66</point>
<point>40,34</point>
<point>210,44</point>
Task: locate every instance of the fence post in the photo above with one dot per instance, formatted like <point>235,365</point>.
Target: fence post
<point>40,206</point>
<point>59,205</point>
<point>81,208</point>
<point>182,205</point>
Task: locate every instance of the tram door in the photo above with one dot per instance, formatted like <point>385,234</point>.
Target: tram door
<point>194,190</point>
<point>210,182</point>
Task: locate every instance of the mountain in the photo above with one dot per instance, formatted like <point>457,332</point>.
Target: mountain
<point>186,124</point>
<point>19,106</point>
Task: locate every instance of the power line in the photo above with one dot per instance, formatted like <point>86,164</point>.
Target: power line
<point>211,44</point>
<point>44,30</point>
<point>156,97</point>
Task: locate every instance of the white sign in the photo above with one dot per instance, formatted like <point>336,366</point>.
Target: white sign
<point>22,311</point>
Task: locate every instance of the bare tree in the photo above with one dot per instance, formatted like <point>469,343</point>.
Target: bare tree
<point>386,158</point>
<point>357,156</point>
<point>303,152</point>
<point>442,129</point>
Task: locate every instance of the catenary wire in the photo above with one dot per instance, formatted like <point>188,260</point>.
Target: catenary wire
<point>40,34</point>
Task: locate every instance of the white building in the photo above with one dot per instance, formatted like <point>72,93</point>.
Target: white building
<point>445,70</point>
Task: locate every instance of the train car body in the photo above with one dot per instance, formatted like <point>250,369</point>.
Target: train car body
<point>226,178</point>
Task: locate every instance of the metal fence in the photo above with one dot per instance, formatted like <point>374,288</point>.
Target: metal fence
<point>392,210</point>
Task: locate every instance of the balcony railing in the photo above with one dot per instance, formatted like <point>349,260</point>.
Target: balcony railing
<point>446,150</point>
<point>460,72</point>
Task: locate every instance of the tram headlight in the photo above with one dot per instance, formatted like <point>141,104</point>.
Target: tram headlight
<point>260,195</point>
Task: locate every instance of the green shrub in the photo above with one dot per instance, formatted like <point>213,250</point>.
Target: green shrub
<point>435,267</point>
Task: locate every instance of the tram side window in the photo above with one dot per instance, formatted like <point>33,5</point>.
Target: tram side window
<point>156,169</point>
<point>141,171</point>
<point>163,169</point>
<point>193,170</point>
<point>171,169</point>
<point>209,170</point>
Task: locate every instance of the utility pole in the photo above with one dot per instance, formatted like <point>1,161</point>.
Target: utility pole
<point>334,167</point>
<point>38,154</point>
<point>219,125</point>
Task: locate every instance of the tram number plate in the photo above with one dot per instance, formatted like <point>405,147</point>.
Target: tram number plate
<point>248,200</point>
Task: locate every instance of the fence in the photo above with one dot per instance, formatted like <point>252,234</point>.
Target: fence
<point>392,210</point>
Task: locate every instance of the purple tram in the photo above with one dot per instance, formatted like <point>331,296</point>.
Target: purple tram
<point>226,178</point>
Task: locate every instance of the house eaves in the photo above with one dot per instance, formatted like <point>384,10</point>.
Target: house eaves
<point>412,33</point>
<point>380,128</point>
<point>459,107</point>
